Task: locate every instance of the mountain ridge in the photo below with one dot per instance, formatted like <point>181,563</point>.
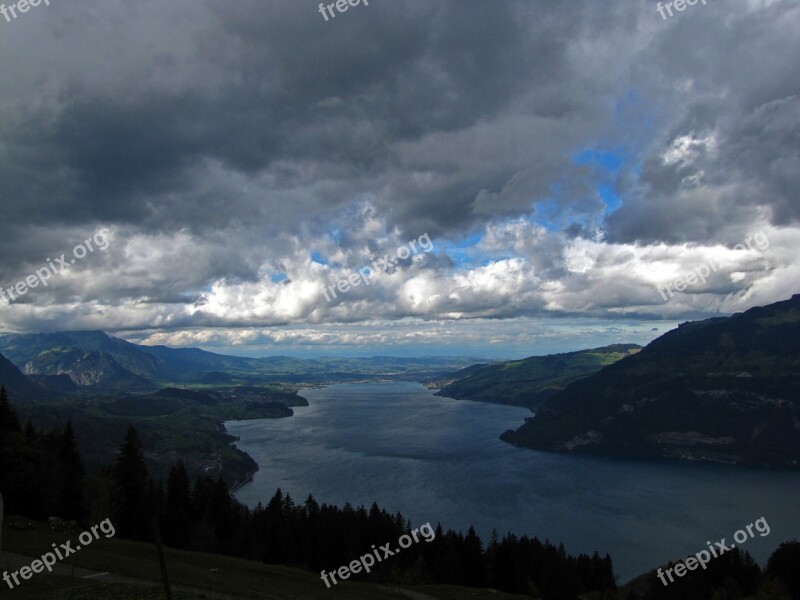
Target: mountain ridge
<point>18,385</point>
<point>159,365</point>
<point>723,390</point>
<point>530,381</point>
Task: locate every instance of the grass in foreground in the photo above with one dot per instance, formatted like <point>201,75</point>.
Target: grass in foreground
<point>193,575</point>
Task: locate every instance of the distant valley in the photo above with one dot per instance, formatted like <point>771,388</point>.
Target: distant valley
<point>722,390</point>
<point>96,361</point>
<point>178,398</point>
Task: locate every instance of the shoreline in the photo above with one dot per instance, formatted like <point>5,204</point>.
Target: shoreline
<point>237,485</point>
<point>233,439</point>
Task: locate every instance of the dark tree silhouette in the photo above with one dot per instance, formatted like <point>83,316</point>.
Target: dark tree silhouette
<point>178,514</point>
<point>8,417</point>
<point>130,498</point>
<point>20,473</point>
<point>70,478</point>
<point>784,565</point>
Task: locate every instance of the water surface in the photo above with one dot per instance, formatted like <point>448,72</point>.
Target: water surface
<point>439,460</point>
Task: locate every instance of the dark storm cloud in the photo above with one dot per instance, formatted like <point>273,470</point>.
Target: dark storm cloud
<point>286,86</point>
<point>726,84</point>
<point>222,145</point>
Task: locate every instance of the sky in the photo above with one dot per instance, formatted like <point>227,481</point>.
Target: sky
<point>230,162</point>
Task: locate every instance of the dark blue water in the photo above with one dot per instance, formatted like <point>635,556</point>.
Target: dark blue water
<point>439,460</point>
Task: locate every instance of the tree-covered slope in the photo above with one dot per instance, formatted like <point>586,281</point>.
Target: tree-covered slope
<point>20,349</point>
<point>725,389</point>
<point>531,381</point>
<point>18,385</point>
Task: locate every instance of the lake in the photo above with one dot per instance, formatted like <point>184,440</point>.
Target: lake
<point>440,460</point>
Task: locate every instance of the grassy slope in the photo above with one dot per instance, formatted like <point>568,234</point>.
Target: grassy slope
<point>530,381</point>
<point>205,573</point>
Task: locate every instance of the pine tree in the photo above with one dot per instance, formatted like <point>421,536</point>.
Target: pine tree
<point>277,531</point>
<point>222,515</point>
<point>8,417</point>
<point>130,493</point>
<point>177,527</point>
<point>20,473</point>
<point>608,582</point>
<point>70,478</point>
<point>474,565</point>
<point>784,566</point>
<point>203,527</point>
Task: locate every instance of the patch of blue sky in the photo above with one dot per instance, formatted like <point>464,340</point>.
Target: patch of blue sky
<point>318,258</point>
<point>279,277</point>
<point>549,213</point>
<point>609,160</point>
<point>610,197</point>
<point>607,165</point>
<point>554,216</point>
<point>634,121</point>
<point>463,252</point>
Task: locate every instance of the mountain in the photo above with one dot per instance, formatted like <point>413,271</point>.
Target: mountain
<point>193,364</point>
<point>725,389</point>
<point>86,368</point>
<point>19,387</point>
<point>21,349</point>
<point>155,363</point>
<point>531,381</point>
<point>51,353</point>
<point>150,365</point>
